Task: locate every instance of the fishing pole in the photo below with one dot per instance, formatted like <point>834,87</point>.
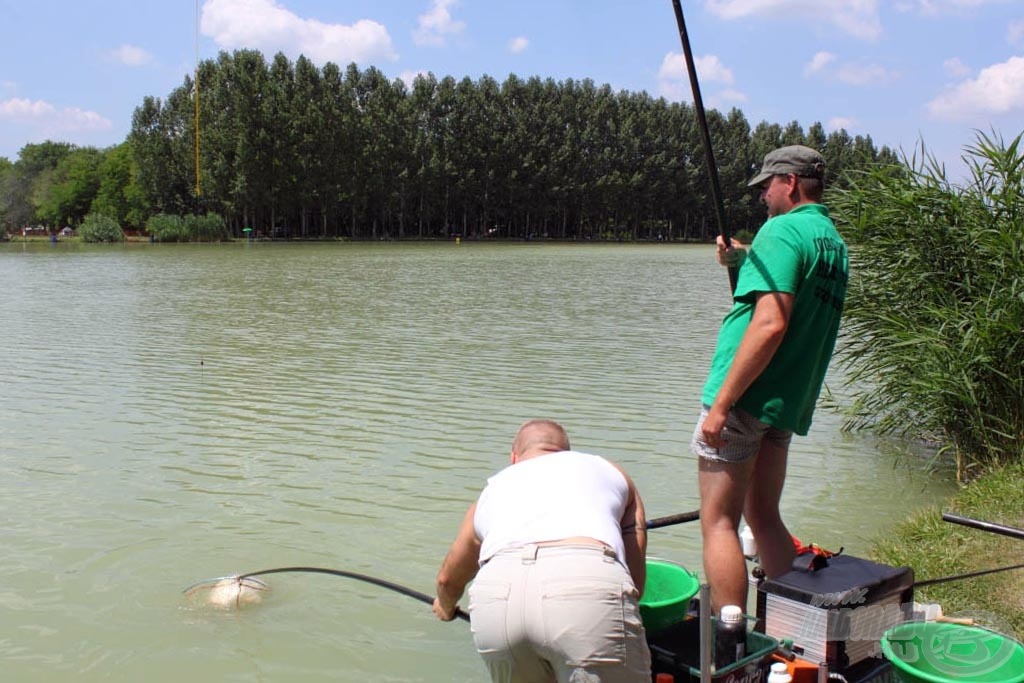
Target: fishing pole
<point>669,520</point>
<point>1000,529</point>
<point>242,587</point>
<point>969,575</point>
<point>702,121</point>
<point>241,584</point>
<point>398,588</point>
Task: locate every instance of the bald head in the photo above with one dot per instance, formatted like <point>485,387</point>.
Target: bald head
<point>538,437</point>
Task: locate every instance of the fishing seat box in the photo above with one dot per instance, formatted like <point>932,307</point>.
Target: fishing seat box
<point>838,613</point>
<point>676,650</point>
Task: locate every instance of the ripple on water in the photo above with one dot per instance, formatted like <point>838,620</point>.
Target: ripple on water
<point>172,413</point>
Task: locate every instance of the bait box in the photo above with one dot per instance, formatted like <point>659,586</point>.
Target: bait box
<point>838,613</point>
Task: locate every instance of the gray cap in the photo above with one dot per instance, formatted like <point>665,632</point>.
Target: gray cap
<point>803,161</point>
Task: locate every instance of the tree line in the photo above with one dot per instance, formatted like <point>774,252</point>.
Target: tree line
<point>291,150</point>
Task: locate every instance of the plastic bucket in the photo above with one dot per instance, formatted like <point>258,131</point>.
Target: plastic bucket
<point>937,652</point>
<point>667,594</point>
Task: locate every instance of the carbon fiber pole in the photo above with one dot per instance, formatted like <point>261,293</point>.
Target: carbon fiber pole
<point>702,122</point>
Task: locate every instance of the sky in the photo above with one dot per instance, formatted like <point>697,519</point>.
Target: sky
<point>905,72</point>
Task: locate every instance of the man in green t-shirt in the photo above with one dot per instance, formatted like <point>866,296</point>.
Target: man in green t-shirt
<point>773,349</point>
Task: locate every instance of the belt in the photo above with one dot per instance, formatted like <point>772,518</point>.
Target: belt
<point>531,552</point>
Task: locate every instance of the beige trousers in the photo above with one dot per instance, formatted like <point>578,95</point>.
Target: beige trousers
<point>566,613</point>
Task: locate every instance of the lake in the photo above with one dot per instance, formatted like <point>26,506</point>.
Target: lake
<point>171,413</point>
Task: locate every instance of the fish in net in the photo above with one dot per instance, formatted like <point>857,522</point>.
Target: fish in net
<point>227,592</point>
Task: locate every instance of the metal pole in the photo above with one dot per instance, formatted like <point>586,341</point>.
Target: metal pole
<point>705,633</point>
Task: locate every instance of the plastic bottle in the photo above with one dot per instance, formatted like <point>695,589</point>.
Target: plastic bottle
<point>748,543</point>
<point>730,636</point>
<point>779,673</point>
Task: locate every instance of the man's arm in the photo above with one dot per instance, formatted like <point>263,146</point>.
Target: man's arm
<point>458,569</point>
<point>767,328</point>
<point>634,535</point>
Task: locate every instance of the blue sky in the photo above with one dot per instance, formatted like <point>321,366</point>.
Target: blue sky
<point>899,70</point>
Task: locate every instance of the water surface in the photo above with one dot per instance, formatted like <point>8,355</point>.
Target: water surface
<point>171,413</point>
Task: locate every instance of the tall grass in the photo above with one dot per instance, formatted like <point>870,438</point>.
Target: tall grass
<point>934,319</point>
<point>171,228</point>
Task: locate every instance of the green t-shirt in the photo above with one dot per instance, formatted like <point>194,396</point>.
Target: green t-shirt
<point>801,253</point>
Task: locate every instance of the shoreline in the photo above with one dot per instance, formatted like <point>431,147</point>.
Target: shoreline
<point>935,549</point>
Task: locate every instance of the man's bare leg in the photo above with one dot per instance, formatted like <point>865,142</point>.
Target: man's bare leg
<point>761,510</point>
<point>723,491</point>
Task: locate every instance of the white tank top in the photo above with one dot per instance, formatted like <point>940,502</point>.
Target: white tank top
<point>549,498</point>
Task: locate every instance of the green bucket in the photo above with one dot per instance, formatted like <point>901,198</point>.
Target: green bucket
<point>937,652</point>
<point>667,595</point>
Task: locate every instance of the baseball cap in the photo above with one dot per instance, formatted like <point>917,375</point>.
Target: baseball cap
<point>803,161</point>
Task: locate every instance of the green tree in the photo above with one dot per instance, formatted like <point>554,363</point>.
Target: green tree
<point>99,228</point>
<point>119,195</point>
<point>29,180</point>
<point>63,195</point>
<point>6,198</point>
<point>347,153</point>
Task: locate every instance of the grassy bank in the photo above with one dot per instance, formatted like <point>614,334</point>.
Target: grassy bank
<point>935,548</point>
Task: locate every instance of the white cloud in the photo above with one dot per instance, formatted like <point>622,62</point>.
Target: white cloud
<point>1015,33</point>
<point>850,73</point>
<point>674,81</point>
<point>818,62</point>
<point>841,123</point>
<point>25,110</point>
<point>409,76</point>
<point>518,44</point>
<point>267,26</point>
<point>709,69</point>
<point>75,119</point>
<point>725,99</point>
<point>132,55</point>
<point>865,74</point>
<point>47,117</point>
<point>436,25</point>
<point>956,68</point>
<point>859,18</point>
<point>936,7</point>
<point>998,89</point>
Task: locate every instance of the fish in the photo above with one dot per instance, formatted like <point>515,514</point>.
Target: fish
<point>229,592</point>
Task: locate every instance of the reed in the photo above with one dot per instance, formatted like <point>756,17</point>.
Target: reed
<point>932,336</point>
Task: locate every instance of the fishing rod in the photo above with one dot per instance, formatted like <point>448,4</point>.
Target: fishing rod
<point>702,121</point>
<point>1000,529</point>
<point>240,583</point>
<point>969,575</point>
<point>398,588</point>
<point>669,520</point>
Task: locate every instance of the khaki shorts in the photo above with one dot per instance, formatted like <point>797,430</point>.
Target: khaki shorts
<point>743,435</point>
<point>558,613</point>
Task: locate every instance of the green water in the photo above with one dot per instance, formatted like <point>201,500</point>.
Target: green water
<point>172,413</point>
